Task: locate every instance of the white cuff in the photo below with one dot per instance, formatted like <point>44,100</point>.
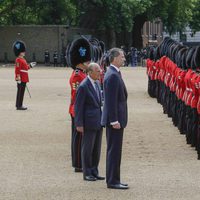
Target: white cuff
<point>113,123</point>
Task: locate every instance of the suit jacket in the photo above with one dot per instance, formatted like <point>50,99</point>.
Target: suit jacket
<point>115,99</point>
<point>88,106</point>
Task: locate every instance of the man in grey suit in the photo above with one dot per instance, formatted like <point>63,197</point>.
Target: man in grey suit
<point>114,117</point>
<point>88,122</point>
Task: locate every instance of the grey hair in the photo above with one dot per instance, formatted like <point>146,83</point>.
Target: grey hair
<point>114,52</point>
<point>92,66</point>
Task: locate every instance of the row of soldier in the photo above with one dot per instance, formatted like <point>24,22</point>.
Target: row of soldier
<point>56,58</point>
<point>174,79</point>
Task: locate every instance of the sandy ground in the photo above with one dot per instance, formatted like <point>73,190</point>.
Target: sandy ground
<point>35,161</point>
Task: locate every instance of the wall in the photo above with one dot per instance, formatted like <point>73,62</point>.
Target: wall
<point>37,39</point>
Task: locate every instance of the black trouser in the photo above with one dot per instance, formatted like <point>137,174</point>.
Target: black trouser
<point>91,151</point>
<point>113,157</point>
<point>20,94</point>
<point>76,139</point>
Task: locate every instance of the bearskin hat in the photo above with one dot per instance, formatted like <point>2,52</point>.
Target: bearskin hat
<point>167,42</point>
<point>102,46</point>
<point>18,47</point>
<point>96,49</point>
<point>180,56</point>
<point>67,55</point>
<point>196,58</point>
<point>79,52</point>
<point>189,57</point>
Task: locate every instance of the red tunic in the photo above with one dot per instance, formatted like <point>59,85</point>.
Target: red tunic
<point>172,83</point>
<point>76,78</point>
<point>167,77</point>
<point>149,65</point>
<point>21,69</point>
<point>197,85</point>
<point>161,73</point>
<point>194,87</point>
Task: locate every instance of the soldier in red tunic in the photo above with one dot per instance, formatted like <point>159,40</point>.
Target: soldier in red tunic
<point>21,72</point>
<point>79,56</point>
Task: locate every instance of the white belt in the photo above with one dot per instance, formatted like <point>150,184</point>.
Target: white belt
<point>24,71</point>
<point>189,89</point>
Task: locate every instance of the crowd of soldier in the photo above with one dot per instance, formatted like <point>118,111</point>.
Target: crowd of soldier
<point>174,79</point>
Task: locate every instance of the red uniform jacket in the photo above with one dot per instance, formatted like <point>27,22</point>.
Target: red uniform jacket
<point>76,78</point>
<point>21,69</point>
<point>197,85</point>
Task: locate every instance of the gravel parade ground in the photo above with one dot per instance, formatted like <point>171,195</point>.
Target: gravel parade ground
<point>35,145</point>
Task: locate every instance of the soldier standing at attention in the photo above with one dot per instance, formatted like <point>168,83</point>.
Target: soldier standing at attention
<point>21,72</point>
<point>80,56</point>
<point>47,57</point>
<point>55,58</point>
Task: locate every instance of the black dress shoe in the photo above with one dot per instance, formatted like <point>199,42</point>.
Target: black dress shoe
<point>117,186</point>
<point>22,108</point>
<point>99,177</point>
<point>89,178</point>
<point>78,169</point>
<point>124,184</point>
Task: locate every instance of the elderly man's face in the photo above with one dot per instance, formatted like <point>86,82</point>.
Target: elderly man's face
<point>95,74</point>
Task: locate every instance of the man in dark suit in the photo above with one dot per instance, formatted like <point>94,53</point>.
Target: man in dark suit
<point>114,117</point>
<point>88,122</point>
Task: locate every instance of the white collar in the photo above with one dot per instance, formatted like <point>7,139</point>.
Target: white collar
<point>115,67</point>
<point>91,80</point>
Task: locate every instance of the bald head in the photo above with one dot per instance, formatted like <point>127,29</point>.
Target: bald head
<point>94,71</point>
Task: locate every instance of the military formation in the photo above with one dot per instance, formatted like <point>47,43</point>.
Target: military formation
<point>173,73</point>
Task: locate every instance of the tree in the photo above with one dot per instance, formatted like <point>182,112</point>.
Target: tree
<point>175,15</point>
<point>195,20</point>
<point>111,17</point>
<point>36,11</point>
<point>116,16</point>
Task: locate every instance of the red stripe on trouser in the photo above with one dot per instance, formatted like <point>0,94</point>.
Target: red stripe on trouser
<point>79,153</point>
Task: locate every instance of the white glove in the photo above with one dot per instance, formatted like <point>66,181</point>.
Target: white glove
<point>32,64</point>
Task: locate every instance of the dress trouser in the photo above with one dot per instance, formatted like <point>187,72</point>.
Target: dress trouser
<point>113,157</point>
<point>91,151</point>
<point>76,139</point>
<point>20,94</point>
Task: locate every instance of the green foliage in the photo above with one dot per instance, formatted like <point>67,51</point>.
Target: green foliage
<point>195,20</point>
<point>36,11</point>
<point>117,15</point>
<point>179,15</point>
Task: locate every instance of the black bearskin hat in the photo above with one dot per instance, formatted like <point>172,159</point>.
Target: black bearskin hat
<point>67,55</point>
<point>102,46</point>
<point>18,47</point>
<point>189,57</point>
<point>196,58</point>
<point>79,52</point>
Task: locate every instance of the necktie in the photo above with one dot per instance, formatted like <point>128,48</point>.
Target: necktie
<point>97,89</point>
